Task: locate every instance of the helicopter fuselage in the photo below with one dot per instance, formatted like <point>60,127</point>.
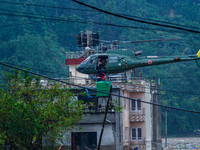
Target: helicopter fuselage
<point>117,61</point>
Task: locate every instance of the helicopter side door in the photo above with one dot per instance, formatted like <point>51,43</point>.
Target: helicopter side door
<point>112,65</point>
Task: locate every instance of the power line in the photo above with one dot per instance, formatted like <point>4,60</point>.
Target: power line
<point>44,15</point>
<point>136,20</point>
<point>160,105</point>
<point>172,77</point>
<point>85,22</point>
<point>36,16</point>
<point>84,78</point>
<point>26,4</point>
<point>161,21</point>
<point>55,18</point>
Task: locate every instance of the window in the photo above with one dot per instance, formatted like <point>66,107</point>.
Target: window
<point>136,104</point>
<point>126,132</point>
<point>85,61</point>
<point>136,134</point>
<point>124,104</point>
<point>81,139</point>
<point>113,59</point>
<point>92,60</point>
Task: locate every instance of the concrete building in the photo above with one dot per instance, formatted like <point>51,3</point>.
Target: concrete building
<point>135,126</point>
<point>91,124</point>
<point>137,116</point>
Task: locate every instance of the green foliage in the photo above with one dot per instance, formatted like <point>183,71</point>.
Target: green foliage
<point>30,112</point>
<point>42,43</point>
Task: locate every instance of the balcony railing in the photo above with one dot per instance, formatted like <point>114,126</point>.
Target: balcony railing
<point>137,112</point>
<point>137,115</point>
<point>140,141</point>
<point>102,109</point>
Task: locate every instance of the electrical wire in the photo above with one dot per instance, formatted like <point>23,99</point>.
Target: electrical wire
<point>172,77</point>
<point>84,79</point>
<point>26,4</point>
<point>45,17</point>
<point>136,20</point>
<point>76,21</point>
<point>88,22</point>
<point>156,104</point>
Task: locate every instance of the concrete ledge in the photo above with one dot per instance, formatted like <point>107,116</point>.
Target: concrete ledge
<point>97,118</point>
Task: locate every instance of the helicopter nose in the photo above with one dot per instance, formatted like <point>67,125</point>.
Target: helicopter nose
<point>80,68</point>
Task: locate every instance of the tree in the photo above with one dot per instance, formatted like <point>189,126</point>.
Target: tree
<point>30,111</point>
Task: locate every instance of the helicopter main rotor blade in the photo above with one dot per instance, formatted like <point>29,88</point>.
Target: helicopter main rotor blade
<point>105,41</point>
<point>142,41</point>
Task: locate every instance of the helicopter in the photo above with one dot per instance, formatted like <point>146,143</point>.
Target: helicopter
<point>120,60</point>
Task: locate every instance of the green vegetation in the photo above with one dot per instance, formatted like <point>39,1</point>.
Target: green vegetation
<point>31,113</point>
<point>38,37</point>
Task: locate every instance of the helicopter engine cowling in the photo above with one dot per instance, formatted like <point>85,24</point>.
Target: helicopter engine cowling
<point>138,53</point>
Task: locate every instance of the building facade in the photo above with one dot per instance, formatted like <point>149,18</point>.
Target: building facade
<point>88,132</point>
<point>137,116</point>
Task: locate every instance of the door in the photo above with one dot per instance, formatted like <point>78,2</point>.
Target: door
<point>112,64</point>
<point>82,139</point>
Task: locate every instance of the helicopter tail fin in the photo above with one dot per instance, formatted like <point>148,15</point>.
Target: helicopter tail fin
<point>198,61</point>
<point>198,53</point>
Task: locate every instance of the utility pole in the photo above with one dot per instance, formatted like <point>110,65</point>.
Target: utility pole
<point>166,115</point>
<point>156,116</point>
<point>99,145</point>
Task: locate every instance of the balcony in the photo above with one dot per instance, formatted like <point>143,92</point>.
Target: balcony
<point>141,144</point>
<point>97,109</point>
<point>137,115</point>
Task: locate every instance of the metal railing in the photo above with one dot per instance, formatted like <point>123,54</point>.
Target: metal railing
<point>141,140</point>
<point>137,112</point>
<point>97,109</point>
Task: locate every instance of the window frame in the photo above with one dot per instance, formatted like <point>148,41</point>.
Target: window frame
<point>137,138</point>
<point>136,103</point>
<point>85,61</point>
<point>126,133</point>
<point>93,59</point>
<point>109,59</point>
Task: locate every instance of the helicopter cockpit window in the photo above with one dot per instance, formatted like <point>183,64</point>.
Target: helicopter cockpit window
<point>113,59</point>
<point>92,60</point>
<point>85,61</point>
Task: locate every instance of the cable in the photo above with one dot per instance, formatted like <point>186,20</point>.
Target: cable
<point>84,78</point>
<point>83,22</point>
<point>156,104</point>
<point>68,20</point>
<point>88,22</point>
<point>25,4</point>
<point>162,21</point>
<point>136,20</point>
<point>172,77</point>
<point>44,15</point>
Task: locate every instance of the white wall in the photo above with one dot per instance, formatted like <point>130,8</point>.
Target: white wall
<point>148,118</point>
<point>78,77</point>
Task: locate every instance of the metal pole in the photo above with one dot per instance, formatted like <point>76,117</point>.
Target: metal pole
<point>104,119</point>
<point>88,38</point>
<point>155,118</point>
<point>166,115</point>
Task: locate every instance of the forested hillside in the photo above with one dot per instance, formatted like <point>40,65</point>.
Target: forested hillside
<point>37,33</point>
